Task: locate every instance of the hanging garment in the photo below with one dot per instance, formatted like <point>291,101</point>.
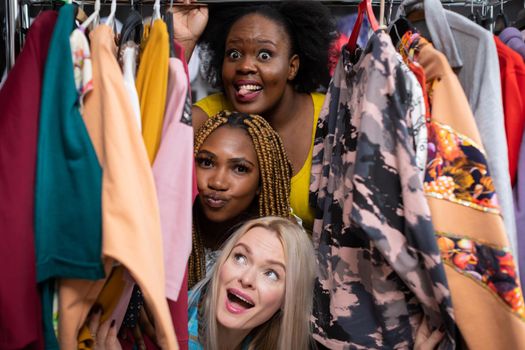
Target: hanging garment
<point>300,182</point>
<point>152,84</point>
<point>68,179</point>
<point>128,62</point>
<point>418,126</point>
<point>512,73</point>
<point>471,52</point>
<point>20,318</point>
<point>519,201</point>
<point>381,282</point>
<point>467,222</point>
<point>132,233</point>
<point>172,171</point>
<point>513,38</point>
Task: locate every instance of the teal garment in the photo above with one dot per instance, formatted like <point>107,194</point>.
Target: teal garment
<point>68,180</point>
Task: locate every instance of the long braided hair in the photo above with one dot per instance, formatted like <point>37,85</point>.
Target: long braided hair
<point>275,173</point>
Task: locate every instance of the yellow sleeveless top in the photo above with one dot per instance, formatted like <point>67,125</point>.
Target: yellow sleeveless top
<point>300,183</point>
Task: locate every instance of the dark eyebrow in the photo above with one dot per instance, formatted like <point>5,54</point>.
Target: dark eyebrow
<point>259,41</point>
<point>266,41</point>
<point>268,261</point>
<point>240,160</point>
<point>207,153</point>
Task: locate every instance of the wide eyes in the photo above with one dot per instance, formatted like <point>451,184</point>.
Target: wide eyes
<point>242,260</point>
<point>233,54</point>
<point>272,275</point>
<point>263,55</point>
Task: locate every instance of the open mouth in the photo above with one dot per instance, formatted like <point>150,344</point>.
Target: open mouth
<point>247,92</point>
<point>248,88</point>
<point>239,301</point>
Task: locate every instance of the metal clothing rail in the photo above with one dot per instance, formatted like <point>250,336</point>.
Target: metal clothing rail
<point>14,9</point>
<point>328,2</point>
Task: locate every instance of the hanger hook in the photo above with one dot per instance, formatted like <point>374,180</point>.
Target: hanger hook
<point>390,6</point>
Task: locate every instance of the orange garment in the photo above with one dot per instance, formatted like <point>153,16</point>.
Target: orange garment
<point>130,215</point>
<point>512,73</point>
<point>152,86</point>
<point>469,229</point>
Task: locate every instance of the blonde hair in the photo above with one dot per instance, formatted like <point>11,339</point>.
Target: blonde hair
<point>275,174</point>
<point>288,328</point>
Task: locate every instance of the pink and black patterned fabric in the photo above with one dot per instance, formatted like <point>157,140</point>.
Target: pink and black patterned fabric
<point>381,282</point>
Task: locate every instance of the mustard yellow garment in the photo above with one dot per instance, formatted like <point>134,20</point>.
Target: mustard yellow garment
<point>300,183</point>
<point>152,85</point>
<point>108,300</point>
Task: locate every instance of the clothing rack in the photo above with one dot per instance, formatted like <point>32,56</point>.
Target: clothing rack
<point>17,13</point>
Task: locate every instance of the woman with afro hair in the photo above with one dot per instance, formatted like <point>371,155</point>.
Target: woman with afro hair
<point>268,59</point>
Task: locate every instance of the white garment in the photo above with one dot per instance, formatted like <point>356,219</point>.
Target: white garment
<point>417,111</point>
<point>128,62</point>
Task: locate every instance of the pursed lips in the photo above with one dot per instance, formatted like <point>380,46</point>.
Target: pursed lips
<point>215,201</point>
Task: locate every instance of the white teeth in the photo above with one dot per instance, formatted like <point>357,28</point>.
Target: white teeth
<point>250,87</point>
<point>246,301</point>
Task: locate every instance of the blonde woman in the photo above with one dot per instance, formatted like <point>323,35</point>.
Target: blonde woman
<point>259,294</point>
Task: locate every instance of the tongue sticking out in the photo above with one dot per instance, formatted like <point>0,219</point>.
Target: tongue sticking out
<point>244,92</point>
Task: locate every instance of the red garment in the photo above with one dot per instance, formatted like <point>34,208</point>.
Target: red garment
<point>20,311</point>
<point>179,314</point>
<point>512,73</point>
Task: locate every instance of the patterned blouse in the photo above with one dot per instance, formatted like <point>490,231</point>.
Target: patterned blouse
<point>381,280</point>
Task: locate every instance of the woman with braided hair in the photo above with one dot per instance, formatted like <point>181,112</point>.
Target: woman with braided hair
<point>242,172</point>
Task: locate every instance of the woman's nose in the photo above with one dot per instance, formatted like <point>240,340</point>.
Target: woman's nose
<point>246,65</point>
<point>248,277</point>
<point>219,180</point>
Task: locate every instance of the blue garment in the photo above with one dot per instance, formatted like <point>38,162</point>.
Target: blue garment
<point>193,320</point>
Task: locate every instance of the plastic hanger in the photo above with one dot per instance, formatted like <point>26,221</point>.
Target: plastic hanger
<point>364,8</point>
<point>156,11</point>
<point>501,22</point>
<point>94,17</point>
<point>111,17</point>
<point>169,22</point>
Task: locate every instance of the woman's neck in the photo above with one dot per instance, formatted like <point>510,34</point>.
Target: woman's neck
<point>287,110</point>
<point>230,339</point>
<point>214,234</point>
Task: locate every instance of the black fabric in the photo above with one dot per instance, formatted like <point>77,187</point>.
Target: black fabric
<point>132,29</point>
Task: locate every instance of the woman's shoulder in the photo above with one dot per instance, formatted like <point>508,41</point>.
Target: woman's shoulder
<point>318,99</point>
<point>213,104</point>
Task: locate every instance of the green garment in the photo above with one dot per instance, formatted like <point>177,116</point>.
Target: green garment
<point>68,180</point>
